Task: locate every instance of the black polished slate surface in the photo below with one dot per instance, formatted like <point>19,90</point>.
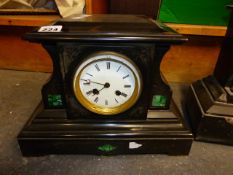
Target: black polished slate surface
<point>102,29</point>
<point>16,86</point>
<point>124,28</point>
<point>210,100</point>
<point>224,66</point>
<point>50,132</point>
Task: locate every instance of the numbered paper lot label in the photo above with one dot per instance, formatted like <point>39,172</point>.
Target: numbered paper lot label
<point>56,28</point>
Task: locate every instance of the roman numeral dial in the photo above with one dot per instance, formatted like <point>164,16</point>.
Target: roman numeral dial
<point>107,83</point>
<point>108,65</point>
<point>97,67</point>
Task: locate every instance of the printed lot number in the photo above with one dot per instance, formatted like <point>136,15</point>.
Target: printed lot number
<point>50,28</point>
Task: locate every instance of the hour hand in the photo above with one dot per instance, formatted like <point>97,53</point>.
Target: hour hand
<point>118,93</point>
<point>93,91</point>
<point>89,92</point>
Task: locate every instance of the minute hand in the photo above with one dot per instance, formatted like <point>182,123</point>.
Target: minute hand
<point>88,81</point>
<point>97,83</point>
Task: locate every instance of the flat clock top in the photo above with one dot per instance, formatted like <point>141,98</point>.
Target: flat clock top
<point>109,27</point>
<point>112,24</point>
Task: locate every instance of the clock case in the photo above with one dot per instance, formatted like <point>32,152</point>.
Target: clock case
<point>140,54</point>
<point>60,125</point>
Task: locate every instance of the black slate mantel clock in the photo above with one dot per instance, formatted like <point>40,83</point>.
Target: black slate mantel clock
<point>106,95</point>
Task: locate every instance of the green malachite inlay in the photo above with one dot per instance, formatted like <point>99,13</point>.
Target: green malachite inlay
<point>107,148</point>
<point>159,101</point>
<point>55,100</point>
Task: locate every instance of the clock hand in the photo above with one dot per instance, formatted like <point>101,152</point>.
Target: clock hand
<point>94,91</point>
<point>118,93</point>
<point>106,85</point>
<point>88,81</point>
<point>89,92</point>
<point>101,89</point>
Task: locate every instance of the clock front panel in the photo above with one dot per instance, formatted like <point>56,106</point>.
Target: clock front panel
<point>107,81</point>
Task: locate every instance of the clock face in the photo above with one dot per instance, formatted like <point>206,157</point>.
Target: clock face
<point>107,83</point>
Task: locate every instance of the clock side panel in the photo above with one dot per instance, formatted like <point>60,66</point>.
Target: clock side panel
<point>73,55</point>
<point>53,96</point>
<point>161,93</point>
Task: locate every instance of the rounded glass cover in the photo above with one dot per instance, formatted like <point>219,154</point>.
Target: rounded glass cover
<point>107,83</point>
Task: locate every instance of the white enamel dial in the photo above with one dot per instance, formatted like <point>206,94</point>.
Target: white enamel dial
<point>107,83</point>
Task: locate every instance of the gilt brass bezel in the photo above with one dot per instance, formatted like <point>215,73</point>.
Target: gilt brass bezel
<point>99,109</point>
